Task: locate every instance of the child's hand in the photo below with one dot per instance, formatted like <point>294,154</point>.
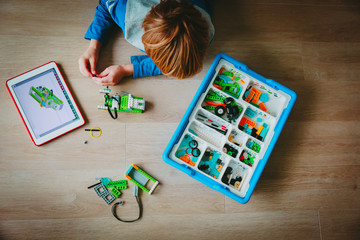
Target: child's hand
<point>87,62</point>
<point>113,74</point>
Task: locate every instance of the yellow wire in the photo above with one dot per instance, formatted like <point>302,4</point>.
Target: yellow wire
<point>91,134</point>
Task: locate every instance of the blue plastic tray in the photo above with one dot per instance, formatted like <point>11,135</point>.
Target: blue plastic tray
<point>228,132</point>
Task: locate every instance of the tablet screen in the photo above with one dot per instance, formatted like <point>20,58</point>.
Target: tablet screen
<point>45,103</point>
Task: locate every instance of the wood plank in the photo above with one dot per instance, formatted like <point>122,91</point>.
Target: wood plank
<point>284,225</point>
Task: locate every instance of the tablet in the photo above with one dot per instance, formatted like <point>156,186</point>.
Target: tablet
<point>45,103</point>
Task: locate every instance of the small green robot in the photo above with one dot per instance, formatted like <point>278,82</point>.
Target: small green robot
<point>123,103</point>
<point>46,98</point>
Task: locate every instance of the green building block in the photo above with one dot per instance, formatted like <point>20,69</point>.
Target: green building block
<point>120,183</point>
<point>116,191</point>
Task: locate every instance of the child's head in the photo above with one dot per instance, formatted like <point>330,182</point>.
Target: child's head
<point>176,38</point>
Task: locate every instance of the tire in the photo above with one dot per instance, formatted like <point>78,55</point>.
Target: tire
<point>228,100</point>
<point>193,144</point>
<point>220,111</point>
<point>196,152</point>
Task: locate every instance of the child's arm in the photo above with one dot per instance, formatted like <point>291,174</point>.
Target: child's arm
<point>98,34</point>
<point>144,66</point>
<point>102,24</point>
<point>141,66</point>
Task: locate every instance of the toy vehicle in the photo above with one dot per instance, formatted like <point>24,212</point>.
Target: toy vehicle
<point>46,98</point>
<point>221,106</point>
<point>123,103</point>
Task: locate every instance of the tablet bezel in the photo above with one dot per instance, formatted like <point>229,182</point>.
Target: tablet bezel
<point>34,72</point>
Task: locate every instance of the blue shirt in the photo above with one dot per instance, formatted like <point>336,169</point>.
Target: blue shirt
<point>129,15</point>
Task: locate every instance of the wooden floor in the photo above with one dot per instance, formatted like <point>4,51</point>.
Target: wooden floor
<point>308,190</point>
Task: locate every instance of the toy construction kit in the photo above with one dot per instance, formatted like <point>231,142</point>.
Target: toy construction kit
<point>110,190</point>
<point>230,128</point>
<point>121,103</point>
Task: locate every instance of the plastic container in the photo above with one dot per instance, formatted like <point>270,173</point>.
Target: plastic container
<point>227,134</point>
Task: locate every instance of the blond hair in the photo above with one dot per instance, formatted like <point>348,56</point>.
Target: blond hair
<point>176,38</point>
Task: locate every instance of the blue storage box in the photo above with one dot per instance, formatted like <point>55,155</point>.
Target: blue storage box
<point>230,128</point>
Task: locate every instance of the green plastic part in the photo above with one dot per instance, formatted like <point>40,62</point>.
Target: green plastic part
<point>117,184</point>
<point>147,175</point>
<point>227,73</point>
<point>139,185</point>
<point>210,107</point>
<point>214,97</point>
<point>115,191</point>
<point>254,104</point>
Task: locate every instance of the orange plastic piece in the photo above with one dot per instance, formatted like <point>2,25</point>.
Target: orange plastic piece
<point>215,104</point>
<point>221,70</point>
<point>250,123</point>
<point>263,107</point>
<point>257,95</point>
<point>250,96</point>
<point>217,86</point>
<point>134,166</point>
<point>259,130</point>
<point>244,121</point>
<point>186,159</point>
<point>242,81</point>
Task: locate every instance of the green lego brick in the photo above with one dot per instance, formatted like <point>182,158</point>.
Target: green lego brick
<point>147,175</point>
<point>210,107</point>
<point>139,185</point>
<point>215,98</point>
<point>124,102</point>
<point>119,183</point>
<point>115,191</point>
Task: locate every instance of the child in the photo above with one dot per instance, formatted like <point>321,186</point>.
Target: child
<point>173,34</point>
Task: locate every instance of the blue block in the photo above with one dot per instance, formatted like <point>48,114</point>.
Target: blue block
<point>249,144</point>
<point>264,97</point>
<point>226,79</point>
<point>251,113</point>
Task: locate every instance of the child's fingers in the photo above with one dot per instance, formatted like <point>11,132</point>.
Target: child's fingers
<point>103,81</point>
<point>104,73</point>
<point>83,66</point>
<point>92,62</point>
<point>109,80</point>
